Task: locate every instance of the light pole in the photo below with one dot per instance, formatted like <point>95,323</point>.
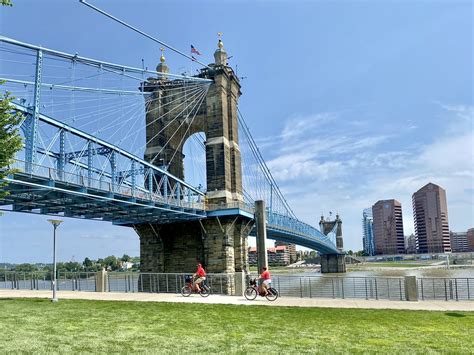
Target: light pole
<point>55,223</point>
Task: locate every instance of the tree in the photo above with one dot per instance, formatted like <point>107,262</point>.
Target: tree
<point>126,258</point>
<point>87,263</point>
<point>111,262</point>
<point>25,267</point>
<point>10,140</point>
<point>6,2</point>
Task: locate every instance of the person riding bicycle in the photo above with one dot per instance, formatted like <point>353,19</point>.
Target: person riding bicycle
<point>199,276</point>
<point>265,281</point>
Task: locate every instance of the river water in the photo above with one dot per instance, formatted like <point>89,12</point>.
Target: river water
<point>363,271</point>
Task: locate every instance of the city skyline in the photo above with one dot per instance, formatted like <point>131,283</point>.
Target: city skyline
<point>430,198</point>
<point>369,116</point>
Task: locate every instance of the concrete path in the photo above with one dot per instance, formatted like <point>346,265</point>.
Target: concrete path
<point>236,300</point>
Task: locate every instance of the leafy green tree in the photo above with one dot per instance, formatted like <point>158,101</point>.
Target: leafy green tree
<point>10,140</point>
<point>6,2</point>
<point>87,263</point>
<point>111,262</point>
<point>125,258</point>
<point>72,266</point>
<point>25,267</point>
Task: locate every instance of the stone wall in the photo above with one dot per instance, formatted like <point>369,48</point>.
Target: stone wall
<point>220,245</point>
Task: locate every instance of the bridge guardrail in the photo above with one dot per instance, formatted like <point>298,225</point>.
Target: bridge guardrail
<point>236,204</point>
<point>82,180</point>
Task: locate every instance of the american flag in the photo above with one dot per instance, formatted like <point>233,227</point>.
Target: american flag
<point>194,50</point>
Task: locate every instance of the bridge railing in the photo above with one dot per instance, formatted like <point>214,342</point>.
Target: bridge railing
<point>83,180</point>
<point>232,205</point>
<point>295,226</point>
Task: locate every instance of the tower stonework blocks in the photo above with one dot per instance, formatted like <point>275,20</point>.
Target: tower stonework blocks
<point>219,243</point>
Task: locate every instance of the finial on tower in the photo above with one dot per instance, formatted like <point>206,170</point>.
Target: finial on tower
<point>162,67</point>
<point>220,44</point>
<point>220,54</point>
<point>162,58</point>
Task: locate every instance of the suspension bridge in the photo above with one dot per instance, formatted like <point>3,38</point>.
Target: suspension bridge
<point>168,155</point>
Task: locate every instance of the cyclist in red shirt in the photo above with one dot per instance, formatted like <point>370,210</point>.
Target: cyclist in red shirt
<point>200,276</point>
<point>265,280</point>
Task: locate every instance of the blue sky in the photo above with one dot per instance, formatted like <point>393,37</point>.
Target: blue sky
<point>349,101</point>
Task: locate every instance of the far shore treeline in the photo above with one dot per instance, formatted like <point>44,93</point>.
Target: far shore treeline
<point>110,263</point>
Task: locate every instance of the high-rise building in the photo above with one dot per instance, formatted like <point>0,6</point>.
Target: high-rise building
<point>368,232</point>
<point>410,244</point>
<point>458,242</point>
<point>430,213</point>
<point>470,239</point>
<point>388,227</point>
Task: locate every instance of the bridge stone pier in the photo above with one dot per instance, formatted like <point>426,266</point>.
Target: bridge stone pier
<point>333,263</point>
<point>218,242</point>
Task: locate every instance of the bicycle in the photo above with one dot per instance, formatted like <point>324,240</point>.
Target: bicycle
<point>190,287</point>
<point>252,291</point>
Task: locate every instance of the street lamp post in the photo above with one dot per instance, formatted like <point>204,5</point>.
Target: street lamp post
<point>55,223</point>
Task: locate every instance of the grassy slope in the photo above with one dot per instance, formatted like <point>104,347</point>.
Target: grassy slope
<point>99,326</point>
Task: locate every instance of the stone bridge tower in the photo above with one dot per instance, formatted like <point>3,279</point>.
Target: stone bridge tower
<point>219,243</point>
<point>333,263</point>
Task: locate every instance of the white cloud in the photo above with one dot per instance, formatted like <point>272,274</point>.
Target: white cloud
<point>351,171</point>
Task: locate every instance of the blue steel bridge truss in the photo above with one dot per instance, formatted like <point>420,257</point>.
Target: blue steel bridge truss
<point>70,172</point>
<point>129,188</point>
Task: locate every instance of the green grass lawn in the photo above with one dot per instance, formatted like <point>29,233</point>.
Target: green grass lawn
<point>38,326</point>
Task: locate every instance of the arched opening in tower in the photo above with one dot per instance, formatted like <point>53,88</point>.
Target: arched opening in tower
<point>194,151</point>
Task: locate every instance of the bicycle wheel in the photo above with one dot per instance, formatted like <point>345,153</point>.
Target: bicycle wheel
<point>250,293</point>
<point>205,291</point>
<point>272,294</point>
<point>186,290</point>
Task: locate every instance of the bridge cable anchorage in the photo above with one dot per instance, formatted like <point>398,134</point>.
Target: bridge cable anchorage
<point>142,33</point>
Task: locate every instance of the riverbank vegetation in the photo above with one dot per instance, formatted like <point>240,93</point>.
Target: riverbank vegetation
<point>39,326</point>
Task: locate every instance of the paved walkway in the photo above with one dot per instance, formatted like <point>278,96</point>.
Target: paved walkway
<point>219,299</point>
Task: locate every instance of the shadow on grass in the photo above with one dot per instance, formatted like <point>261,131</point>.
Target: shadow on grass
<point>457,315</point>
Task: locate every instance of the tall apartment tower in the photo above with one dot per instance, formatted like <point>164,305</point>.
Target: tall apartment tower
<point>430,214</point>
<point>368,232</point>
<point>388,227</point>
<point>470,239</point>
